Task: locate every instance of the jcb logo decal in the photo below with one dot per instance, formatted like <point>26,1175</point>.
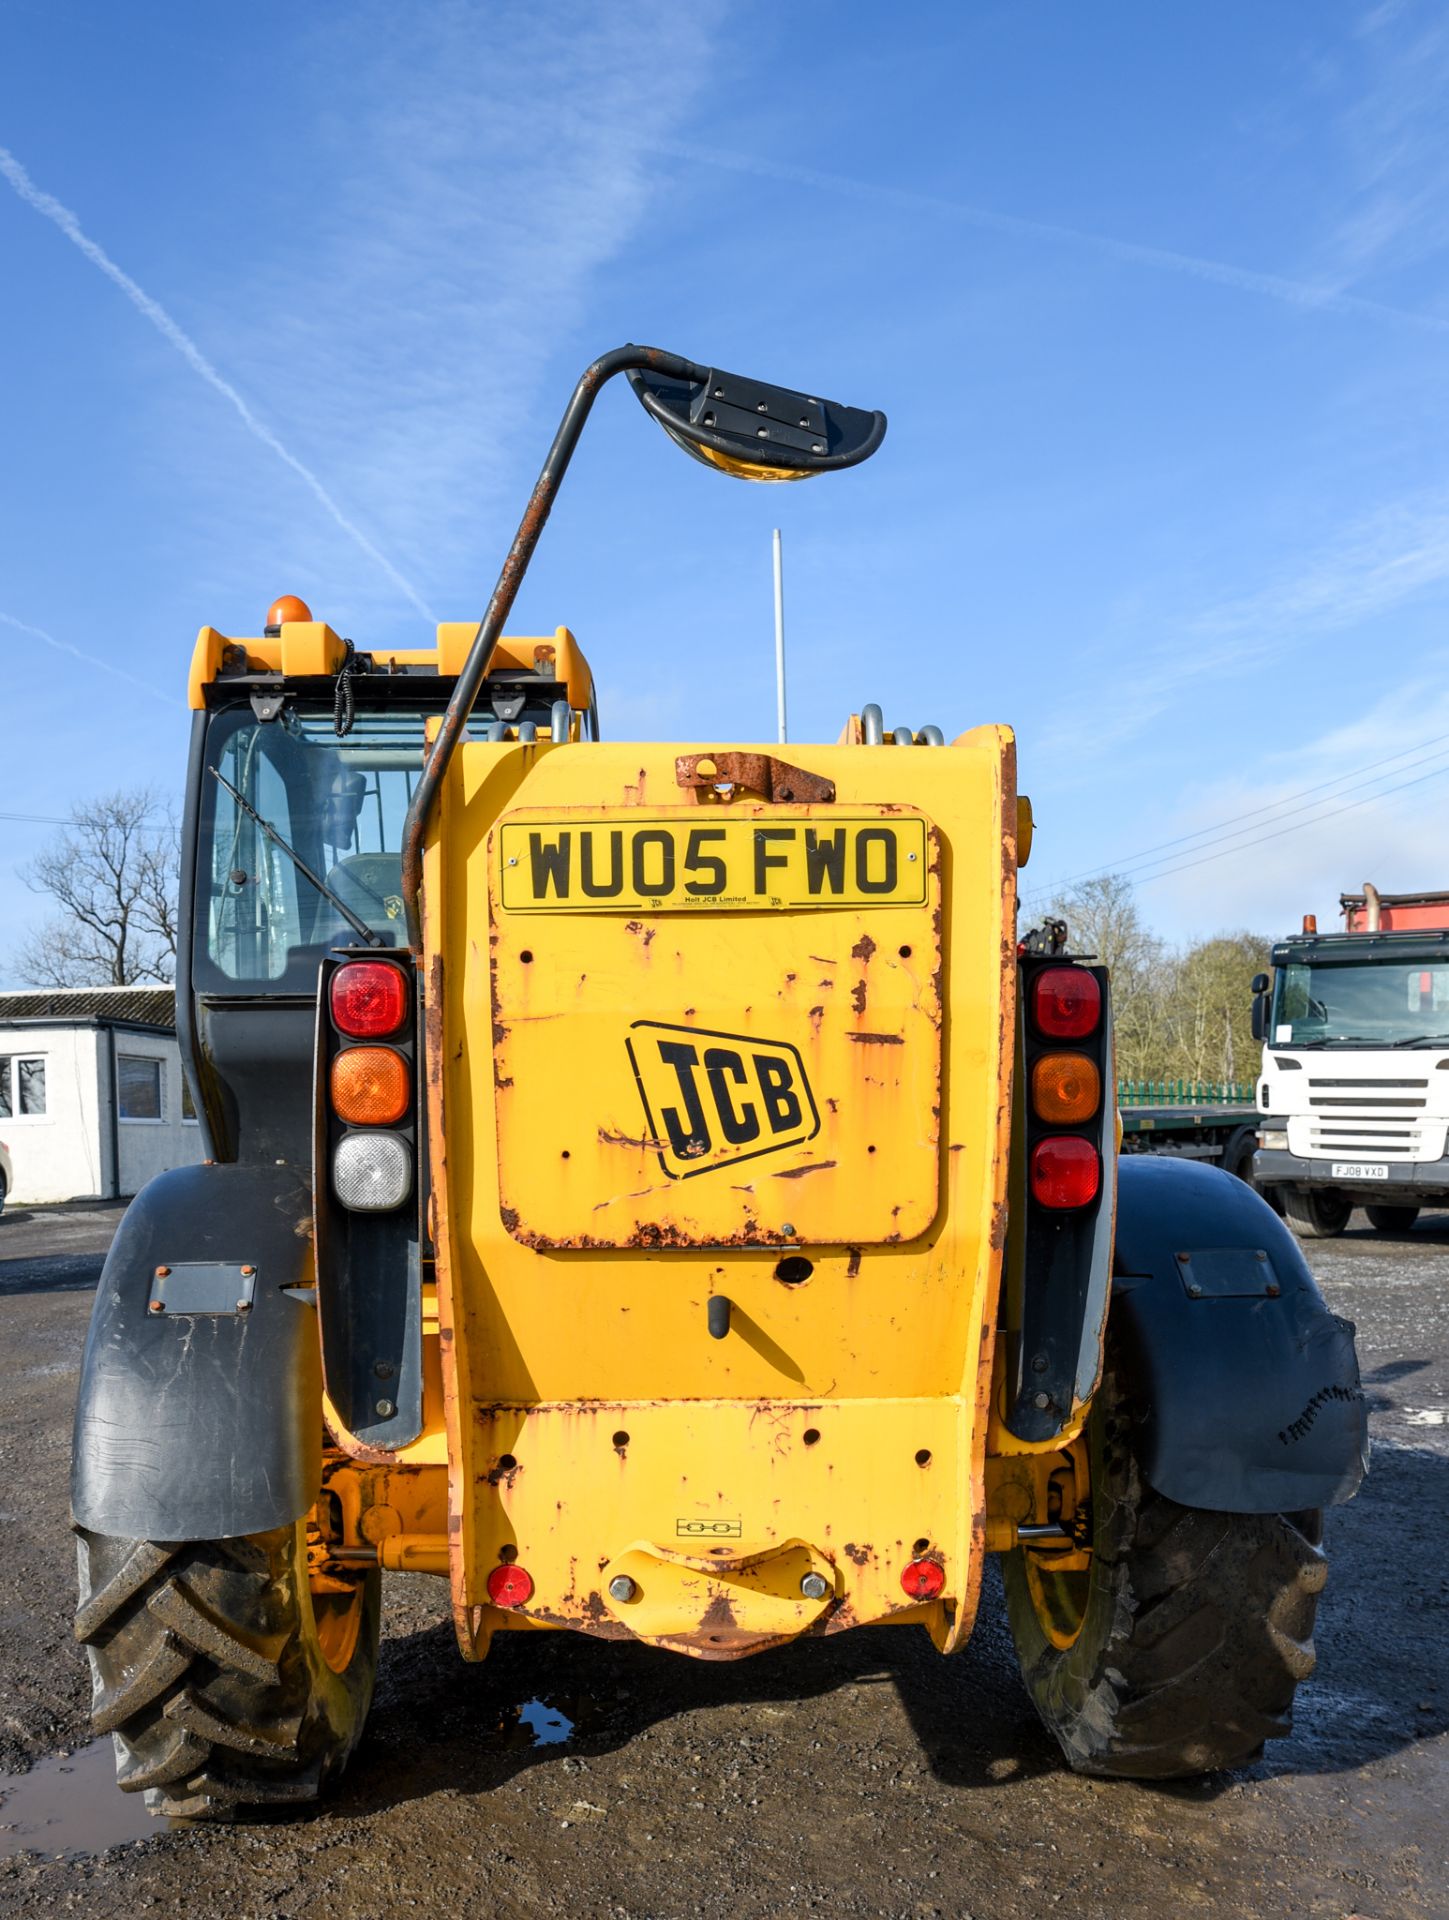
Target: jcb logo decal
<point>712,1099</point>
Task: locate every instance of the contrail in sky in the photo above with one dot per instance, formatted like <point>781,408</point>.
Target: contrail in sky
<point>91,659</point>
<point>63,218</point>
<point>1274,286</point>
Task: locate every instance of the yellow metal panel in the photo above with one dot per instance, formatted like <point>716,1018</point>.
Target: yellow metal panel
<point>873,1344</point>
<point>310,647</point>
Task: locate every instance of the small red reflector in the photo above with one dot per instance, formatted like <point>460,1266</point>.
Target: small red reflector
<point>510,1586</point>
<point>1066,1171</point>
<point>368,998</point>
<point>924,1579</point>
<point>1066,1002</point>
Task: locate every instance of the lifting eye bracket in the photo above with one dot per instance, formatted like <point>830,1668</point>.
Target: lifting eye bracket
<point>774,780</point>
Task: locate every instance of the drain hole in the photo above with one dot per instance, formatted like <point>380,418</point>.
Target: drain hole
<point>508,1555</point>
<point>621,1440</point>
<point>905,953</point>
<point>794,1270</point>
<point>526,956</point>
<point>565,1154</point>
<point>923,1457</point>
<point>506,1463</point>
<point>919,1548</point>
<point>810,1436</point>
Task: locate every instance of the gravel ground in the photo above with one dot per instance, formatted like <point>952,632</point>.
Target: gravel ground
<point>860,1775</point>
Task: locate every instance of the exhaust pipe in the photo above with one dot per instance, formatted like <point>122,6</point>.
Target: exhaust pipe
<point>1372,907</point>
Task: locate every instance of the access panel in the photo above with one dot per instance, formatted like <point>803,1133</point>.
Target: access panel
<point>716,1026</point>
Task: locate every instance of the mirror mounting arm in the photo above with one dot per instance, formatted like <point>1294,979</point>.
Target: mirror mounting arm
<point>490,627</point>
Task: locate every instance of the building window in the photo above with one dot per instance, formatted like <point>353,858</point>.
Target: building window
<point>188,1105</point>
<point>22,1080</point>
<point>138,1088</point>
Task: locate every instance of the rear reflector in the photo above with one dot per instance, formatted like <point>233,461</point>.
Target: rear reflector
<point>369,998</point>
<point>924,1579</point>
<point>1065,1171</point>
<point>1066,1002</point>
<point>372,1172</point>
<point>1066,1089</point>
<point>370,1086</point>
<point>510,1586</point>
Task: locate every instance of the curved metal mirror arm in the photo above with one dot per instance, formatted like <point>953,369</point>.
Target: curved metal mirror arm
<point>475,668</point>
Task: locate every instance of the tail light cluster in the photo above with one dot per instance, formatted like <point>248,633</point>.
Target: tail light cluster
<point>1066,1047</point>
<point>370,1085</point>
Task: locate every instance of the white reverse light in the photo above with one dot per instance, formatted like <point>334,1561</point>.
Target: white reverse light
<point>372,1172</point>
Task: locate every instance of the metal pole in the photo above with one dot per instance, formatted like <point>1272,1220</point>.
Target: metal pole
<point>780,642</point>
<point>480,654</point>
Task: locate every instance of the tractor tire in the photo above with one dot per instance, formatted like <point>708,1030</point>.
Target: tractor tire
<point>1392,1219</point>
<point>1315,1213</point>
<point>225,1683</point>
<point>1179,1649</point>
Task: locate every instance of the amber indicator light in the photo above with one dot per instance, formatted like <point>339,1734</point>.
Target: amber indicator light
<point>1066,1089</point>
<point>371,1086</point>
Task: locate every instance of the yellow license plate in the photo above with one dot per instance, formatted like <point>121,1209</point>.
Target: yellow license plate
<point>603,863</point>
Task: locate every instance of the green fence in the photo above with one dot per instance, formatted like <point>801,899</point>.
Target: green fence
<point>1185,1093</point>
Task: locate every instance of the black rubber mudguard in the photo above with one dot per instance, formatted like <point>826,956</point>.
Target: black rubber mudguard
<point>200,1408</point>
<point>1248,1385</point>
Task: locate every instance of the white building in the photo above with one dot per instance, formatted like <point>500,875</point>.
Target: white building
<point>93,1101</point>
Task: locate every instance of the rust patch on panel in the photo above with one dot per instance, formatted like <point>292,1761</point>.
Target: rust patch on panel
<point>876,1039</point>
<point>863,949</point>
<point>799,1173</point>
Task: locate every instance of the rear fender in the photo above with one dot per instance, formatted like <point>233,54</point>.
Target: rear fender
<point>1249,1385</point>
<point>205,1423</point>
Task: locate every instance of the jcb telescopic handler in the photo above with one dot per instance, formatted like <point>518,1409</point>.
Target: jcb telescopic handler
<point>655,1189</point>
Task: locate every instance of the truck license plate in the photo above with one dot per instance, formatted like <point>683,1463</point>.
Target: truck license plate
<point>1359,1170</point>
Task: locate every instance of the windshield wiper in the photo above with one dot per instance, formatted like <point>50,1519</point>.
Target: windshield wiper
<point>1423,1040</point>
<point>357,926</point>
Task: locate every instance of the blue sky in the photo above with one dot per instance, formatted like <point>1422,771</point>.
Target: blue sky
<point>1155,298</point>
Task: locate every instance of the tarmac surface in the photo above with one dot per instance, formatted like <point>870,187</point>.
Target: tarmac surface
<point>857,1775</point>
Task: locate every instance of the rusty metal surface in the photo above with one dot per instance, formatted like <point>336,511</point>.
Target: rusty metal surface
<point>764,774</point>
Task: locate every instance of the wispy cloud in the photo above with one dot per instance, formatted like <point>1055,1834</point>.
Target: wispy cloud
<point>478,168</point>
<point>62,217</point>
<point>1365,570</point>
<point>1320,296</point>
<point>89,659</point>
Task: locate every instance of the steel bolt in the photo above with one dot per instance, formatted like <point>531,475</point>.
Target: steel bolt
<point>248,1273</point>
<point>243,1306</point>
<point>1041,1401</point>
<point>1261,1255</point>
<point>386,1409</point>
<point>161,1272</point>
<point>1194,1291</point>
<point>384,1369</point>
<point>788,1227</point>
<point>1039,1363</point>
<point>158,1306</point>
<point>1272,1289</point>
<point>814,1586</point>
<point>621,1587</point>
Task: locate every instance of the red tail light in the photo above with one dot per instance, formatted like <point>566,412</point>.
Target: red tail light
<point>368,998</point>
<point>1066,1002</point>
<point>1066,1171</point>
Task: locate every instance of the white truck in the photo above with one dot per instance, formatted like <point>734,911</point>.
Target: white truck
<point>1354,1093</point>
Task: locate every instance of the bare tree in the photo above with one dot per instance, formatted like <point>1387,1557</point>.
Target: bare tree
<point>113,875</point>
<point>1101,914</point>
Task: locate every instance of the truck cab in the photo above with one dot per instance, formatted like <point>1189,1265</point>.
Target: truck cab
<point>1354,1093</point>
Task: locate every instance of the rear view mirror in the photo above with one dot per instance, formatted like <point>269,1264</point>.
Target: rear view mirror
<point>1261,984</point>
<point>754,431</point>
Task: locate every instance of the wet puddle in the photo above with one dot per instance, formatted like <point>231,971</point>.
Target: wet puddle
<point>538,1723</point>
<point>70,1807</point>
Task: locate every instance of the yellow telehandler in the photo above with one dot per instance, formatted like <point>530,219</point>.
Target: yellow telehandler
<point>657,1189</point>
